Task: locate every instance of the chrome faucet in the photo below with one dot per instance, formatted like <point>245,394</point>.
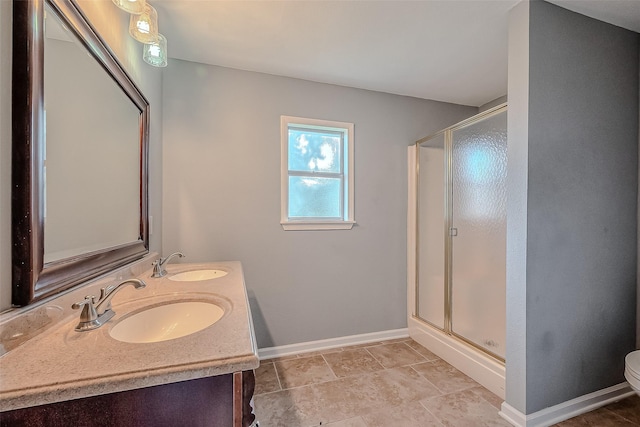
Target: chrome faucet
<point>158,265</point>
<point>95,315</point>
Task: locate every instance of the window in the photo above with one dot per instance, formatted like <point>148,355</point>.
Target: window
<point>317,174</point>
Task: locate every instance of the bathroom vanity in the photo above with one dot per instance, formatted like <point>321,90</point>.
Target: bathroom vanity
<point>180,349</point>
<point>63,377</point>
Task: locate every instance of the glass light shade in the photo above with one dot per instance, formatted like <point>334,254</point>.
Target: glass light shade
<point>144,27</point>
<point>155,53</point>
<point>134,7</point>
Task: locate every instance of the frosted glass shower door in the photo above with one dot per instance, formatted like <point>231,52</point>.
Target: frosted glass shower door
<point>431,231</point>
<point>478,221</point>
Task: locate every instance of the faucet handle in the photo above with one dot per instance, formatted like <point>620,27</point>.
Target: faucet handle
<point>105,291</point>
<point>103,294</point>
<point>158,265</point>
<point>88,308</point>
<point>157,268</point>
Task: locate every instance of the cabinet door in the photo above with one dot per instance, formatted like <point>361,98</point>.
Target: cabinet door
<point>201,402</point>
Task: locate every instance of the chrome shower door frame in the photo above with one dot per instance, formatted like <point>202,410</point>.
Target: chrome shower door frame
<point>449,230</point>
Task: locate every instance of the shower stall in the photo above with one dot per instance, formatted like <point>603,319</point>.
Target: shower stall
<point>457,245</point>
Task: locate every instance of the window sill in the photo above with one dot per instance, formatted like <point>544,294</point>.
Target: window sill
<point>317,225</point>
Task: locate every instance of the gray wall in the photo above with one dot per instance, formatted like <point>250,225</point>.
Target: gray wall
<point>222,197</point>
<point>581,205</point>
<point>112,24</point>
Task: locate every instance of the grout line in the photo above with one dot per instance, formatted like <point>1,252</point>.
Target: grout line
<point>350,375</point>
<point>329,366</point>
<point>479,386</point>
<point>376,359</point>
<point>409,347</point>
<point>442,393</point>
<point>275,368</point>
<point>307,385</point>
<point>432,414</point>
<point>310,384</point>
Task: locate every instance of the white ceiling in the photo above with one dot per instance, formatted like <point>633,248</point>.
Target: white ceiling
<point>446,50</point>
<point>623,13</point>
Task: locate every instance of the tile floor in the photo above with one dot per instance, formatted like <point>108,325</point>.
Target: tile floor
<point>394,383</point>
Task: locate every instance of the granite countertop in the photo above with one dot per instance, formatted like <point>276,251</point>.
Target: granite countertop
<point>61,364</point>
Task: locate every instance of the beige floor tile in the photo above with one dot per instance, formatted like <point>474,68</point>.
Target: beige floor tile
<point>364,345</point>
<point>598,418</point>
<point>396,340</point>
<point>444,376</point>
<point>266,378</point>
<point>352,362</point>
<point>348,397</point>
<point>298,407</point>
<point>281,358</point>
<point>303,371</point>
<point>464,409</point>
<point>391,397</point>
<point>351,422</point>
<point>320,352</point>
<point>422,350</point>
<point>411,414</point>
<point>401,385</point>
<point>494,400</point>
<point>359,395</point>
<point>396,354</point>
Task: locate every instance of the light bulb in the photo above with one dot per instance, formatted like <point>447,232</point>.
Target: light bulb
<point>155,53</point>
<point>134,7</point>
<point>144,27</point>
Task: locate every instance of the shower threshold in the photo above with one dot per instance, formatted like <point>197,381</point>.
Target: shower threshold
<point>485,370</point>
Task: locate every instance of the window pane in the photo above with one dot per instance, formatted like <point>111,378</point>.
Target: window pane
<point>314,197</point>
<point>317,151</point>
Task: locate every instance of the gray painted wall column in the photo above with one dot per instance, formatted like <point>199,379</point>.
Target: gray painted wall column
<point>581,207</point>
<point>517,174</point>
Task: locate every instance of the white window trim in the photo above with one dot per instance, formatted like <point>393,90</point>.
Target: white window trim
<point>303,224</point>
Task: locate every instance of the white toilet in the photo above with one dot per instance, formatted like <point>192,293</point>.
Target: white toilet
<point>632,370</point>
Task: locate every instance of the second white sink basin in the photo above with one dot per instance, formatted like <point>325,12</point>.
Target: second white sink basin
<point>197,275</point>
<point>167,322</point>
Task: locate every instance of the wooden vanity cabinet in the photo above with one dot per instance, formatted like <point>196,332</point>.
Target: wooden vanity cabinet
<point>220,401</point>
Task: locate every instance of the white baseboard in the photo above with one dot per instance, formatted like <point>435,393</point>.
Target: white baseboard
<point>512,415</point>
<point>309,346</point>
<point>568,409</point>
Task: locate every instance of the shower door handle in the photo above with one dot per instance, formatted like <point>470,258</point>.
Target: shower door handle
<point>453,232</point>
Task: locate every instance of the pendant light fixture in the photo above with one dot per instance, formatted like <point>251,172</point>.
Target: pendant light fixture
<point>135,7</point>
<point>144,27</point>
<point>155,53</point>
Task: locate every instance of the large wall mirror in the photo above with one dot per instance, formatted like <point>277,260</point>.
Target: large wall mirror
<point>80,152</point>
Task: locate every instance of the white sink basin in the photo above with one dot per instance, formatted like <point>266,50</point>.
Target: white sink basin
<point>167,322</point>
<point>197,275</point>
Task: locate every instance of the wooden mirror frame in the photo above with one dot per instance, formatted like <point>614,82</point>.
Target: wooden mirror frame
<point>32,279</point>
